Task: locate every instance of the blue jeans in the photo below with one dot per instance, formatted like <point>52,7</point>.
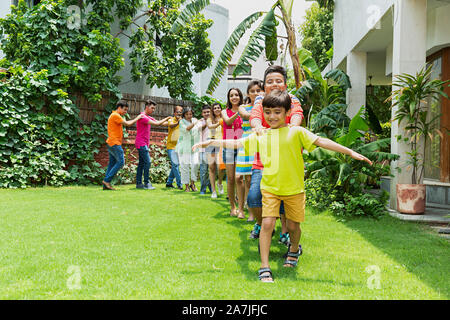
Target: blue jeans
<point>254,198</point>
<point>204,173</point>
<point>116,162</point>
<point>143,165</point>
<point>175,171</point>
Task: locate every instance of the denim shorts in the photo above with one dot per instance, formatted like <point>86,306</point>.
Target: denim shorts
<point>212,150</point>
<point>254,198</point>
<point>229,156</point>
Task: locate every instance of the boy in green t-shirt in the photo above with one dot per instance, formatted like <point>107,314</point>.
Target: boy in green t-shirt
<point>280,149</point>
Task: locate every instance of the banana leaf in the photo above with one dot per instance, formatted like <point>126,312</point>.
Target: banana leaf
<point>254,48</point>
<point>357,123</point>
<point>229,49</point>
<point>340,77</point>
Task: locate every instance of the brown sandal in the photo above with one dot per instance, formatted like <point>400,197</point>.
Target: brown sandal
<point>107,186</point>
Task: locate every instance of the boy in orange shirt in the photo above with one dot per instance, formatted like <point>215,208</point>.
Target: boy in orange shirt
<point>114,142</point>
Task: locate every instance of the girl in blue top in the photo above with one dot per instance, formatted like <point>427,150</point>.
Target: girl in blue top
<point>244,161</point>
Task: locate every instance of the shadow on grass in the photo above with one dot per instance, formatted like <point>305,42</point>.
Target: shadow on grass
<point>422,253</point>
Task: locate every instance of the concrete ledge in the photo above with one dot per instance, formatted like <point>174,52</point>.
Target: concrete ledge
<point>431,215</point>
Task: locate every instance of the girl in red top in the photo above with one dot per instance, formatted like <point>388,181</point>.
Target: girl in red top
<point>232,129</point>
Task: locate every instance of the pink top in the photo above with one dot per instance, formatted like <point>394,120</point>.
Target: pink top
<point>143,131</point>
<point>235,130</point>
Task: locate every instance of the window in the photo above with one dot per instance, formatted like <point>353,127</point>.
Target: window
<point>433,148</point>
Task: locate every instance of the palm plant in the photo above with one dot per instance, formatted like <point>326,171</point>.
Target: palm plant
<point>411,99</point>
<point>264,37</point>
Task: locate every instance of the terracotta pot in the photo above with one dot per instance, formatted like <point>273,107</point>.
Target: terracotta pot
<point>411,198</point>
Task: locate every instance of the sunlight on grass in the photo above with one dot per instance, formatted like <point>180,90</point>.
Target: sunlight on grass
<point>85,243</point>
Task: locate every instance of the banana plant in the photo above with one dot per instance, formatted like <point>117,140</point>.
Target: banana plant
<point>317,91</point>
<point>263,38</point>
<point>329,4</point>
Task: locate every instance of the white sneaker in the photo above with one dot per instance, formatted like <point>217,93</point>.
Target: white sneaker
<point>220,187</point>
<point>214,195</point>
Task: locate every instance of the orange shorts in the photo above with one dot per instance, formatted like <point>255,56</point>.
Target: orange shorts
<point>294,206</point>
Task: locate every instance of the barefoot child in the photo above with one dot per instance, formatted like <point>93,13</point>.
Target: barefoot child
<point>283,175</point>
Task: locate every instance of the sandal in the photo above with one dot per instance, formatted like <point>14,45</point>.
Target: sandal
<point>107,186</point>
<point>262,277</point>
<point>241,215</point>
<point>292,263</point>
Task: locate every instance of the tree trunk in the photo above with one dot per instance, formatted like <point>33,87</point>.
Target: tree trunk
<point>293,52</point>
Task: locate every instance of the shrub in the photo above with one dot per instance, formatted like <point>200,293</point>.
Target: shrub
<point>319,194</point>
<point>365,204</point>
<point>160,168</point>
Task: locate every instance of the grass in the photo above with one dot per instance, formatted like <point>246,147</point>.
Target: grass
<point>85,243</point>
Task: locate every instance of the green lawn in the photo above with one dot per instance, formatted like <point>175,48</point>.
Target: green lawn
<point>86,243</point>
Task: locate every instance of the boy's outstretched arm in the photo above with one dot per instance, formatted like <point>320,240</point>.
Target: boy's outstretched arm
<point>333,146</point>
<point>229,144</point>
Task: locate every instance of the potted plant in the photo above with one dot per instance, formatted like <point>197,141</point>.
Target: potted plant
<point>412,97</point>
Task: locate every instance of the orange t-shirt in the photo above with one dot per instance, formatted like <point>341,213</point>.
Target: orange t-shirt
<point>257,112</point>
<point>115,129</point>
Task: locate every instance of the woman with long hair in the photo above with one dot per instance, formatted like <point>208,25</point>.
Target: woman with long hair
<point>245,161</point>
<point>232,129</point>
<point>215,123</point>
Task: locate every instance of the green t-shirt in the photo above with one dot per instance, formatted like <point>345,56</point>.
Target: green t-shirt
<point>281,154</point>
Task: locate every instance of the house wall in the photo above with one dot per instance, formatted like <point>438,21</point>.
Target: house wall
<point>352,21</point>
<point>5,8</point>
<point>438,26</point>
<point>418,29</point>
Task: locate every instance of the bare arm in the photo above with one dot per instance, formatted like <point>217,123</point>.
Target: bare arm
<point>212,125</point>
<point>244,113</point>
<point>296,120</point>
<point>229,120</point>
<point>229,144</point>
<point>333,146</point>
<point>171,125</point>
<point>194,122</point>
<point>158,122</point>
<point>131,122</point>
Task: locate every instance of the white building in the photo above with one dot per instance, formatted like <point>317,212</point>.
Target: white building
<point>384,38</point>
